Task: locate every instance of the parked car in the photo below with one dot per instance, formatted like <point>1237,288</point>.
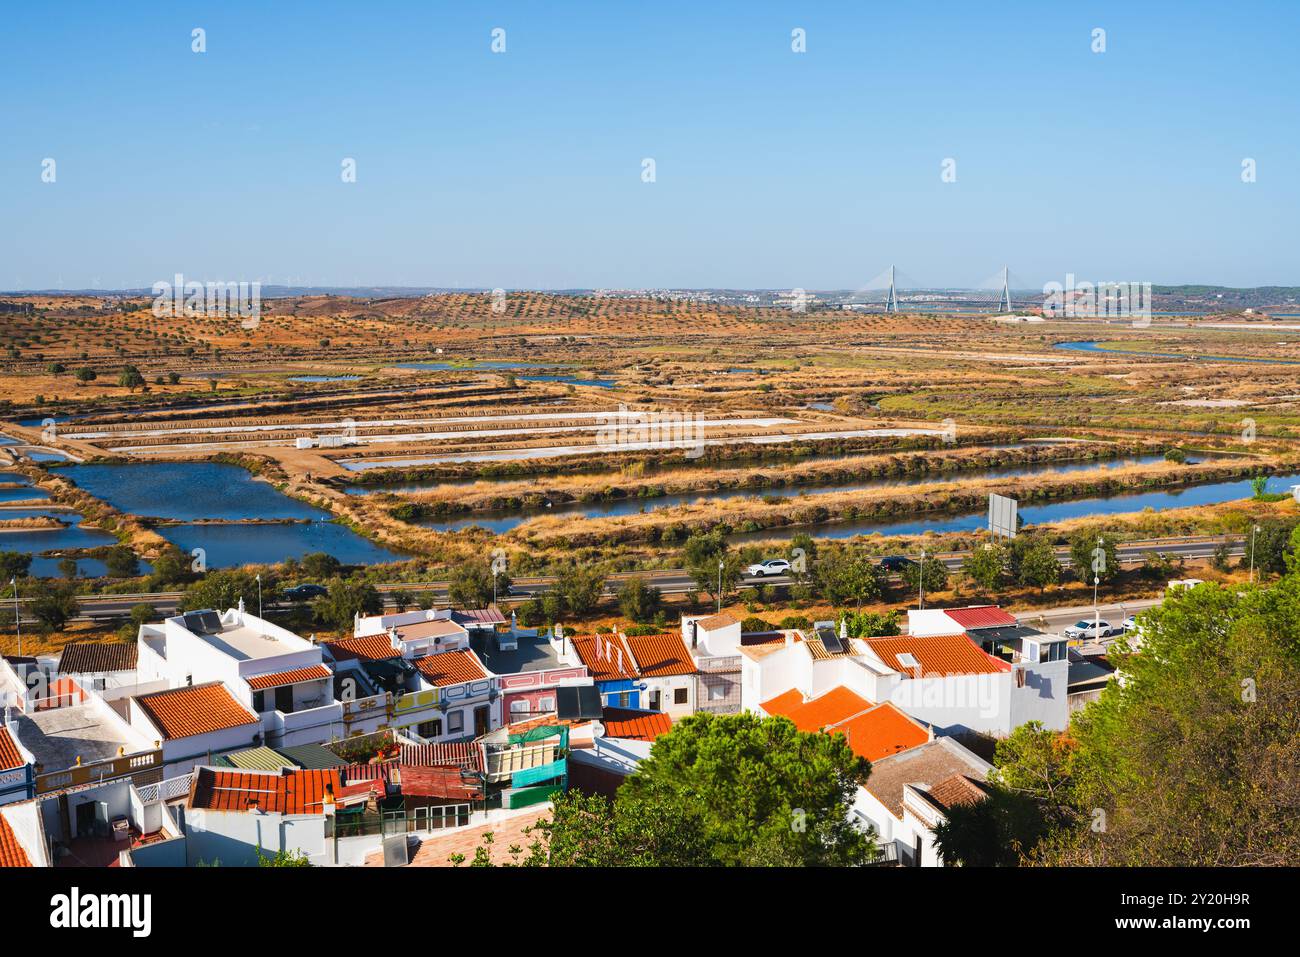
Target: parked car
<point>1129,623</point>
<point>305,592</point>
<point>1091,630</point>
<point>895,563</point>
<point>773,566</point>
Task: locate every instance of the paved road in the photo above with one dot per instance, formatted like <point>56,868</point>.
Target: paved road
<point>669,581</point>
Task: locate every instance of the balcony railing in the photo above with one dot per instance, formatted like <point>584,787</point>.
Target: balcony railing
<point>96,771</point>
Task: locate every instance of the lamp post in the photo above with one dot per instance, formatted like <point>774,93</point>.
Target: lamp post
<point>1096,610</point>
<point>259,595</point>
<point>920,582</point>
<point>1254,530</point>
<point>18,616</point>
<point>721,564</point>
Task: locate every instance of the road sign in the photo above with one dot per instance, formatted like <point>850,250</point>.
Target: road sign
<point>1002,515</point>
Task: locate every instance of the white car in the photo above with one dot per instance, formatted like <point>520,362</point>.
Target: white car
<point>1090,630</point>
<point>1129,623</point>
<point>773,566</point>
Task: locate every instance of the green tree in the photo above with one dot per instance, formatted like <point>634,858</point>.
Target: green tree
<point>638,600</point>
<point>344,601</point>
<point>122,562</point>
<point>283,858</point>
<point>848,576</point>
<point>222,589</point>
<point>1093,554</point>
<point>320,565</point>
<point>471,585</point>
<point>580,586</point>
<point>14,565</point>
<point>749,791</point>
<point>932,572</point>
<point>703,554</point>
<point>86,374</point>
<point>1039,566</point>
<point>870,624</point>
<point>985,565</point>
<point>68,568</point>
<point>130,378</point>
<point>53,605</point>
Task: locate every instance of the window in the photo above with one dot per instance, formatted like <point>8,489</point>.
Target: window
<point>546,704</point>
<point>519,706</point>
<point>681,695</point>
<point>429,729</point>
<point>456,722</point>
<point>1053,651</point>
<point>259,701</point>
<point>718,690</point>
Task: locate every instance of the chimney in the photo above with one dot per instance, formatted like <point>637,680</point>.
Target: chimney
<point>695,633</point>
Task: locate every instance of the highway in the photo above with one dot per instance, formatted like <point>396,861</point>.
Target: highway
<point>670,581</point>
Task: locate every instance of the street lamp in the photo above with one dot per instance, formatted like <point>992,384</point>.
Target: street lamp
<point>1253,532</point>
<point>1096,609</point>
<point>920,581</point>
<point>721,564</point>
<point>259,595</point>
<point>18,617</point>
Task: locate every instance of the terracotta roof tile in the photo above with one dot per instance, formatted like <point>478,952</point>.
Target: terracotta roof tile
<point>603,664</point>
<point>93,657</point>
<point>185,712</point>
<point>450,667</point>
<point>293,792</point>
<point>835,705</point>
<point>957,789</point>
<point>369,648</point>
<point>927,764</point>
<point>981,616</point>
<point>10,757</point>
<point>465,754</point>
<point>882,731</point>
<point>937,655</point>
<point>636,725</point>
<point>721,620</point>
<point>873,731</point>
<point>440,783</point>
<point>436,628</point>
<point>11,852</point>
<point>279,678</point>
<point>659,656</point>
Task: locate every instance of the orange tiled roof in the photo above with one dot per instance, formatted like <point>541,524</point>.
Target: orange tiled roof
<point>658,656</point>
<point>937,655</point>
<point>602,666</point>
<point>368,648</point>
<point>835,705</point>
<point>721,620</point>
<point>981,616</point>
<point>293,792</point>
<point>9,755</point>
<point>435,628</point>
<point>185,712</point>
<point>636,725</point>
<point>873,731</point>
<point>11,852</point>
<point>278,678</point>
<point>880,732</point>
<point>450,667</point>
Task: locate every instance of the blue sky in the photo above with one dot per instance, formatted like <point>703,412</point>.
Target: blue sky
<point>773,169</point>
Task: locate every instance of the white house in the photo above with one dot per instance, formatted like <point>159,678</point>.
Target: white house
<point>232,815</point>
<point>269,670</point>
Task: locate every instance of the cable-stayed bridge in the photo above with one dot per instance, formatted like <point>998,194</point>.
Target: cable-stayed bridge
<point>894,291</point>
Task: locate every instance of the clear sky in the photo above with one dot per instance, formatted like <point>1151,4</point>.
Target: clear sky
<point>773,169</point>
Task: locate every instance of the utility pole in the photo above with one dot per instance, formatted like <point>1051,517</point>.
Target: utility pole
<point>1253,532</point>
<point>259,595</point>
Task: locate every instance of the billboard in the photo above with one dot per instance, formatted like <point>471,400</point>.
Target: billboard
<point>1002,516</point>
